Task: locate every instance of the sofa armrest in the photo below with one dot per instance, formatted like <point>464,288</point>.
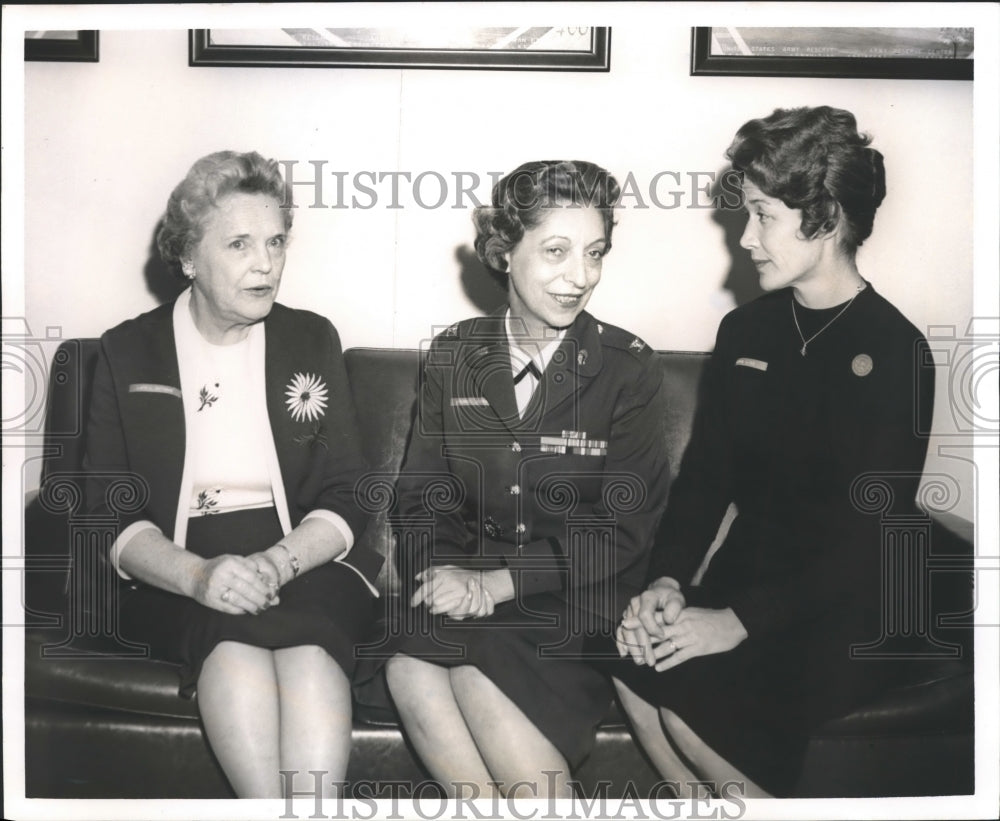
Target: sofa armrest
<point>958,527</point>
<point>46,555</point>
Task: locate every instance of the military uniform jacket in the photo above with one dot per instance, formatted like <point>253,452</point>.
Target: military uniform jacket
<point>567,497</point>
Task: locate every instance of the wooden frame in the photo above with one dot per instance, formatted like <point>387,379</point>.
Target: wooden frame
<point>591,51</point>
<point>770,62</point>
<point>81,48</point>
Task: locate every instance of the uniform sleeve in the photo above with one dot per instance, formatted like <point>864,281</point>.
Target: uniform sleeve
<point>344,463</point>
<point>425,482</point>
<point>703,489</point>
<point>633,494</point>
<point>845,569</point>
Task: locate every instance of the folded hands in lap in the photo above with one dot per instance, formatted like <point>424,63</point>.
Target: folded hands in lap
<point>659,630</point>
<point>232,584</point>
<point>453,591</point>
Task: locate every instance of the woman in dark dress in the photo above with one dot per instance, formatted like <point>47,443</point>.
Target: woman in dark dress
<point>809,387</point>
<point>234,415</point>
<point>531,488</point>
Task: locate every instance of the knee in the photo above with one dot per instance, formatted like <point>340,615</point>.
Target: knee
<point>679,732</point>
<point>407,676</point>
<point>466,675</point>
<point>307,659</point>
<point>673,723</point>
<point>641,712</point>
<point>625,696</point>
<point>237,662</point>
<point>311,654</point>
<point>397,668</point>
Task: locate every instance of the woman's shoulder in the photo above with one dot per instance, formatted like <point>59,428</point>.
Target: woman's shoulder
<point>149,324</point>
<point>617,340</point>
<point>298,321</point>
<point>761,306</point>
<point>488,328</point>
<point>752,314</point>
<point>889,321</point>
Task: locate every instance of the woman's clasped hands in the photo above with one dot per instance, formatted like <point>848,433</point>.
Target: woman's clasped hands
<point>238,585</point>
<point>659,630</point>
<point>454,591</point>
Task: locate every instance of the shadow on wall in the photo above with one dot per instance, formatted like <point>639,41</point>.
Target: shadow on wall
<point>162,281</point>
<point>487,291</point>
<point>741,280</point>
<point>481,286</point>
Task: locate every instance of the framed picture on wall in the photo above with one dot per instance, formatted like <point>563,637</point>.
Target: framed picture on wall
<point>553,48</point>
<point>892,53</point>
<point>67,46</point>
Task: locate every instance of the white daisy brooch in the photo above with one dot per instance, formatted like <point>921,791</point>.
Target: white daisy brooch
<point>306,397</point>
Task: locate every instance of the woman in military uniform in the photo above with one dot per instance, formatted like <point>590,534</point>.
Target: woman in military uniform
<point>537,470</point>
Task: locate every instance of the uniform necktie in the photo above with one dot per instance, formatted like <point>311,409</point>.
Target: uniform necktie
<point>531,368</point>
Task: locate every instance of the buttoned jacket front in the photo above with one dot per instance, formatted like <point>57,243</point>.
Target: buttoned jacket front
<point>566,497</point>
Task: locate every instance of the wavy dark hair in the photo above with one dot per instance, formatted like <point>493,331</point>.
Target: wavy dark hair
<point>520,199</point>
<point>210,179</point>
<point>814,159</point>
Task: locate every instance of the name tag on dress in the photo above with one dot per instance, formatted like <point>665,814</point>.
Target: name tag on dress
<point>150,387</point>
<point>749,362</point>
<point>469,402</point>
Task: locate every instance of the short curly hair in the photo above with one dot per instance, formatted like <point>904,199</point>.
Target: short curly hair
<point>519,201</point>
<point>815,160</point>
<point>211,179</point>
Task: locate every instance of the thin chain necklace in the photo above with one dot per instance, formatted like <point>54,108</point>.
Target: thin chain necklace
<point>840,313</point>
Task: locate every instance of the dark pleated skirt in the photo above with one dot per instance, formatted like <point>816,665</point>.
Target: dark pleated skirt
<point>329,606</point>
<point>532,654</point>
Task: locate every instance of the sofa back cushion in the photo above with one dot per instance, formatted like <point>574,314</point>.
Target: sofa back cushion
<point>384,383</point>
<point>71,376</point>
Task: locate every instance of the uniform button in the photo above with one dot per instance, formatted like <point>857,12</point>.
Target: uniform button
<point>521,528</point>
<point>516,447</point>
<point>514,490</point>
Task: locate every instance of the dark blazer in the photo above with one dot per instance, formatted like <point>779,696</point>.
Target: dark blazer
<point>136,422</point>
<point>567,498</point>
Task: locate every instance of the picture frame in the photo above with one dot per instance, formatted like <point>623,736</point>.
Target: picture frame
<point>875,53</point>
<point>579,48</point>
<point>66,46</point>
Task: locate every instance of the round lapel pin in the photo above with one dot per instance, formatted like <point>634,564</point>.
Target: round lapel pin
<point>862,364</point>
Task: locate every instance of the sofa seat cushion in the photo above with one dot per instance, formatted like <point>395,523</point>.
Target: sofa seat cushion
<point>99,679</point>
<point>941,703</point>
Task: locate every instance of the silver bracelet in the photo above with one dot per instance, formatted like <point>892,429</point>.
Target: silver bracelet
<point>293,560</point>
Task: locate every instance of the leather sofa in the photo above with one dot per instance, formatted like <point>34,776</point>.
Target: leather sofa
<point>103,721</point>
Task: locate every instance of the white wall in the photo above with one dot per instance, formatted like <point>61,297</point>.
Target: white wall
<point>106,142</point>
